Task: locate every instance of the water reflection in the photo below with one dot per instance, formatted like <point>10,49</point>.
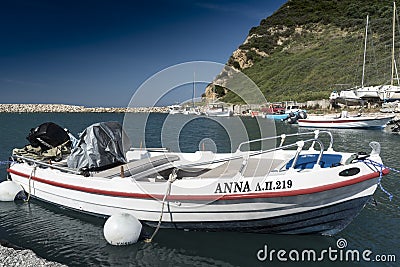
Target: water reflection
<point>78,240</point>
<point>61,236</point>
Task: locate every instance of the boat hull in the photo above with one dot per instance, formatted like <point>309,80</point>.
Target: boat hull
<point>277,116</point>
<point>223,113</point>
<point>368,93</point>
<point>213,204</point>
<point>390,93</point>
<point>327,220</point>
<point>351,122</point>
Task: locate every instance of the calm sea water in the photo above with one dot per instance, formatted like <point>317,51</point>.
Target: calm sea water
<point>77,240</point>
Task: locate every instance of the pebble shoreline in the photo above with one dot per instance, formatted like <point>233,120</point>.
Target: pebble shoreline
<point>23,257</point>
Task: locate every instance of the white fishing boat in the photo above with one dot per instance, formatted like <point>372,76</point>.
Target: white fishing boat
<point>346,121</point>
<point>191,111</point>
<point>300,187</point>
<point>175,109</point>
<point>218,110</point>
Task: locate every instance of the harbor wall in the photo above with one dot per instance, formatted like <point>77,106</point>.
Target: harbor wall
<point>62,108</point>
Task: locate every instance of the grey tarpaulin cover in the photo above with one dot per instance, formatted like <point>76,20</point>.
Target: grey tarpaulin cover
<point>101,145</point>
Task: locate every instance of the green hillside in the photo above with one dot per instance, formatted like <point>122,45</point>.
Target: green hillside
<point>308,47</point>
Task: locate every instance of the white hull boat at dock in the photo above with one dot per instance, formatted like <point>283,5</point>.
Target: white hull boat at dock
<point>346,122</point>
<point>218,110</point>
<point>292,189</point>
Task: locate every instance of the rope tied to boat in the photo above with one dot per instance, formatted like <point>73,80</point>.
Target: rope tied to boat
<point>381,167</point>
<point>172,177</point>
<point>6,162</point>
<point>29,183</point>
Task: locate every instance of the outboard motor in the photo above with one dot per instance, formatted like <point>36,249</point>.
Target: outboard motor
<point>48,135</point>
<point>302,115</point>
<point>292,118</point>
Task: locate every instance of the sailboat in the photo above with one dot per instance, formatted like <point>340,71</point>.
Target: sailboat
<point>389,93</point>
<point>375,93</point>
<point>192,110</point>
<point>356,96</point>
<point>367,92</point>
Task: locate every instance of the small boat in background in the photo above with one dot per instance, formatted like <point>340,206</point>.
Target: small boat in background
<point>346,121</point>
<point>289,112</point>
<point>390,107</point>
<point>218,110</point>
<point>278,117</point>
<point>175,109</point>
<point>275,111</point>
<point>292,108</point>
<point>393,127</point>
<point>192,111</point>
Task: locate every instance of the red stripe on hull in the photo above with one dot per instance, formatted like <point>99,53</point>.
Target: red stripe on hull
<point>207,197</point>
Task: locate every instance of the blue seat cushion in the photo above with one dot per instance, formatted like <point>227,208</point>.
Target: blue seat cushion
<point>307,161</point>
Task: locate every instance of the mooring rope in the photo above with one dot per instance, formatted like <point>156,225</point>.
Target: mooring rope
<point>6,162</point>
<point>29,183</point>
<point>171,179</point>
<point>381,167</point>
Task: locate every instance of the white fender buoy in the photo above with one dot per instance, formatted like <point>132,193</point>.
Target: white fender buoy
<point>122,229</point>
<point>9,191</point>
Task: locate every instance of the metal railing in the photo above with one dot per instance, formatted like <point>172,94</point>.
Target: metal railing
<point>284,136</point>
<point>241,154</point>
<point>237,155</point>
<point>44,164</point>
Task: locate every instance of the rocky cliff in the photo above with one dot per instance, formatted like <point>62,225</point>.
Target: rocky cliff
<point>308,48</point>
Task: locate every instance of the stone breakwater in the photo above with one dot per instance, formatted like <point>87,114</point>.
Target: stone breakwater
<point>62,108</point>
<point>25,257</point>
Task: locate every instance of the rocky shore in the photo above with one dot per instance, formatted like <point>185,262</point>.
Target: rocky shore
<point>62,108</point>
<point>23,257</point>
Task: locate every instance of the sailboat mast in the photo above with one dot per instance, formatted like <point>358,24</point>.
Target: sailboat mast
<point>393,33</point>
<point>365,51</point>
<point>194,88</point>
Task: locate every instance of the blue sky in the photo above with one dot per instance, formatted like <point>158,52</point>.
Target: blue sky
<point>98,52</point>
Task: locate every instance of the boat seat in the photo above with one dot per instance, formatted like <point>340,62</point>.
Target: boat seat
<point>135,168</point>
<point>307,161</point>
<point>255,167</point>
